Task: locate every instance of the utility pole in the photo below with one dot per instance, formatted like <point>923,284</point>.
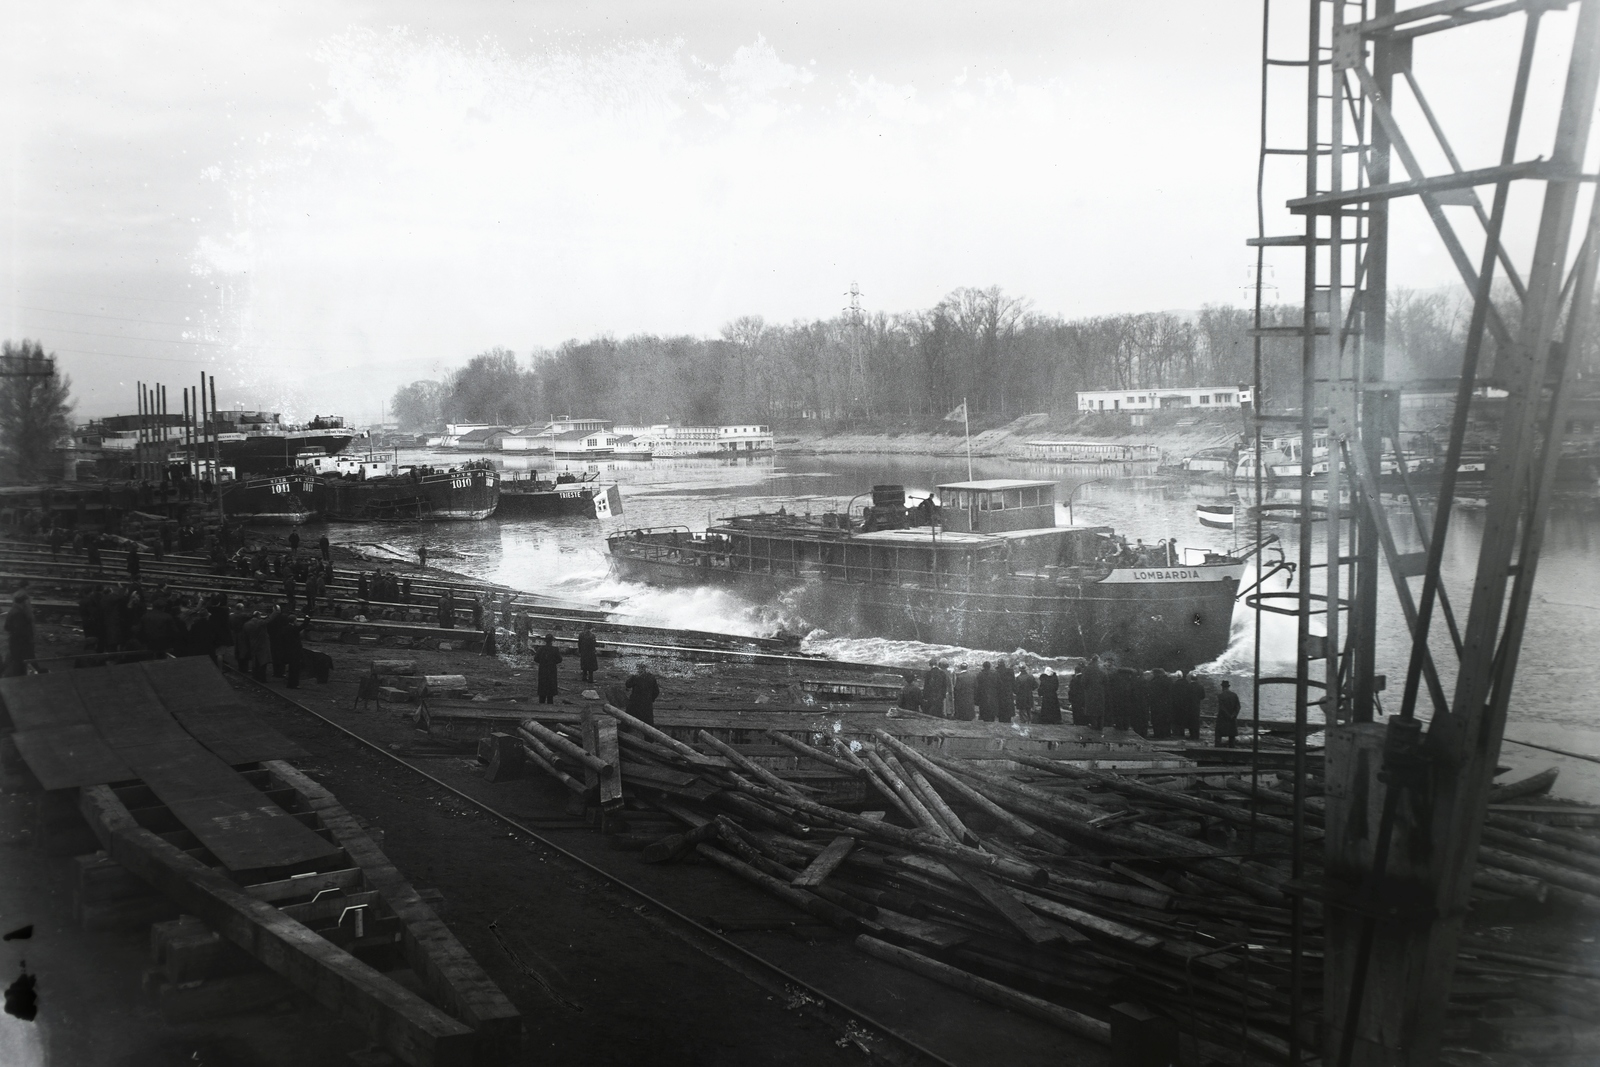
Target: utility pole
<point>856,319</point>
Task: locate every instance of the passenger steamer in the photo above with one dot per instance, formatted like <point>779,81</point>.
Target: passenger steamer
<point>991,570</point>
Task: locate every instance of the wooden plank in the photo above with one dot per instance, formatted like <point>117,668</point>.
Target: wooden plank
<point>1087,921</point>
<point>451,975</point>
<point>42,700</point>
<point>608,748</point>
<point>63,757</point>
<point>407,1025</point>
<point>124,708</point>
<point>600,741</point>
<point>1072,1021</point>
<point>1011,909</point>
<point>826,863</point>
<point>932,934</point>
<point>231,818</point>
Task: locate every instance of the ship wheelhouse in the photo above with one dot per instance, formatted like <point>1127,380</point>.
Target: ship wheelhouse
<point>997,505</point>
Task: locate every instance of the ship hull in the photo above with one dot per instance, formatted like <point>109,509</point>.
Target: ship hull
<point>265,453</point>
<point>469,495</point>
<point>286,500</point>
<point>1141,618</point>
<point>544,504</point>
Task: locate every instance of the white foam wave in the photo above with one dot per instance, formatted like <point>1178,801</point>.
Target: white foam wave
<point>916,654</point>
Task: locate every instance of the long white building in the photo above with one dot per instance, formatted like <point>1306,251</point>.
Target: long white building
<point>1196,398</point>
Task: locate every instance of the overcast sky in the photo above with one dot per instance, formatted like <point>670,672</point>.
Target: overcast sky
<point>321,201</point>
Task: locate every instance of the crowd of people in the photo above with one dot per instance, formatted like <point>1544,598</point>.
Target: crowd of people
<point>1150,703</point>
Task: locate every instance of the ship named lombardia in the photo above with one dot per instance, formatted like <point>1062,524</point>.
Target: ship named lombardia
<point>982,566</point>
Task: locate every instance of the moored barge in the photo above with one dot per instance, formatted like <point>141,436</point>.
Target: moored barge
<point>290,499</point>
<point>984,567</point>
<point>376,489</point>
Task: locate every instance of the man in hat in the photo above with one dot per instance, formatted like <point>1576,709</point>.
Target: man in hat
<point>548,657</point>
<point>1227,715</point>
<point>588,651</point>
<point>19,634</point>
<point>643,689</point>
<point>962,694</point>
<point>935,689</point>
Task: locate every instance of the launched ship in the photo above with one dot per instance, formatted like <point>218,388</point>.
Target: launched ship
<point>983,566</point>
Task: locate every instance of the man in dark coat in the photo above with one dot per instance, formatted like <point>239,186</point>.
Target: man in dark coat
<point>962,694</point>
<point>986,690</point>
<point>327,550</point>
<point>260,645</point>
<point>92,548</point>
<point>548,657</point>
<point>935,688</point>
<point>294,541</point>
<point>277,628</point>
<point>1006,709</point>
<point>294,650</point>
<point>1160,704</point>
<point>1119,697</point>
<point>588,652</point>
<point>114,618</point>
<point>910,694</point>
<point>1227,715</point>
<point>1049,698</point>
<point>1075,700</point>
<point>241,640</point>
<point>447,609</point>
<point>1094,694</point>
<point>133,561</point>
<point>158,630</point>
<point>643,689</point>
<point>1139,717</point>
<point>19,634</point>
<point>89,618</point>
<point>1022,687</point>
<point>363,588</point>
<point>1190,694</point>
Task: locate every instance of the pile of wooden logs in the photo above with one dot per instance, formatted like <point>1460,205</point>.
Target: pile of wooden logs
<point>1063,893</point>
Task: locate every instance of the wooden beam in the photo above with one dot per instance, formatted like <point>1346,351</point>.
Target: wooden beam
<point>449,972</point>
<point>826,862</point>
<point>404,1023</point>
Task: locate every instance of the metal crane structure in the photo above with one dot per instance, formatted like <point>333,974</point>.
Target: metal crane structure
<point>1345,120</point>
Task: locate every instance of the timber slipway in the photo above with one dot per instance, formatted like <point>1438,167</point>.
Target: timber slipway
<point>187,790</point>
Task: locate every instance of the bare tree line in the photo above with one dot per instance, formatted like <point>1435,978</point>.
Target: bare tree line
<point>986,346</point>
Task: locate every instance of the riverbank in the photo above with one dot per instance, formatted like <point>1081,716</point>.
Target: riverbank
<point>1176,434</point>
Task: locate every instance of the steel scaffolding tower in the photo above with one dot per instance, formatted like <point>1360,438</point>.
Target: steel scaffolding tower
<point>1406,800</point>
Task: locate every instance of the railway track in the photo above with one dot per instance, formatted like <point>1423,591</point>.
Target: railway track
<point>880,1042</point>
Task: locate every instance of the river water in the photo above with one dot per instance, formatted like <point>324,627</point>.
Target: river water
<point>1557,680</point>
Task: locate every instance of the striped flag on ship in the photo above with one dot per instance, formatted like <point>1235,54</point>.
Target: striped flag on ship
<point>608,505</point>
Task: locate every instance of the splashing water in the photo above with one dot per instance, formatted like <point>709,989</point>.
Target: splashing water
<point>916,654</point>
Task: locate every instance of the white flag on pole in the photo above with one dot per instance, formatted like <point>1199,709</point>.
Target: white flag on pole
<point>959,414</point>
